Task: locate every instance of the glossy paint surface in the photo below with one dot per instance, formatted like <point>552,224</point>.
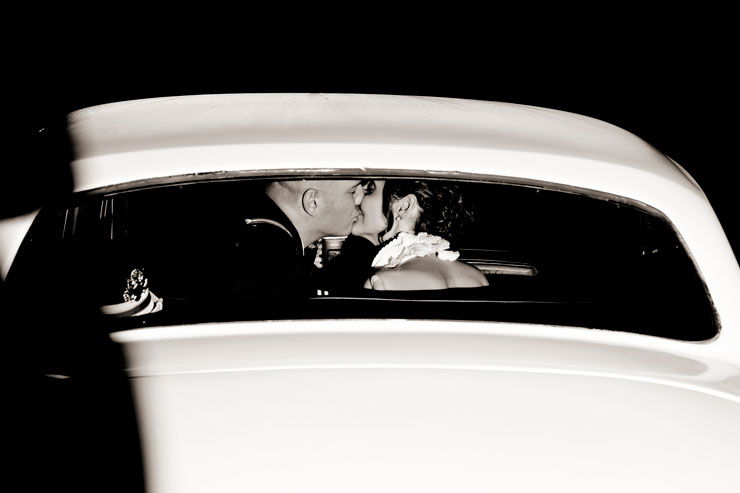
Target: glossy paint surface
<point>428,406</point>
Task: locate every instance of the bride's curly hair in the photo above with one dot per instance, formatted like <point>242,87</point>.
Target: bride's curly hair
<point>443,211</point>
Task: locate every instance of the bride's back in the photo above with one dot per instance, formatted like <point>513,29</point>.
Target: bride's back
<point>428,272</point>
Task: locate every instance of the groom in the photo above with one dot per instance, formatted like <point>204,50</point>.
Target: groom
<point>269,258</point>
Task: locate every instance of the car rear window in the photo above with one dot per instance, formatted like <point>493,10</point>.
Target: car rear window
<point>550,256</point>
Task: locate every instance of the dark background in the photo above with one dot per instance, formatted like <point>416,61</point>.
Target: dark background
<point>659,78</point>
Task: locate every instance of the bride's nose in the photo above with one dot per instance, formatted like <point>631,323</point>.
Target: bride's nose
<point>359,195</point>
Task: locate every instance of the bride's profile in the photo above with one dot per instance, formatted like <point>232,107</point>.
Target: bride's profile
<point>413,252</point>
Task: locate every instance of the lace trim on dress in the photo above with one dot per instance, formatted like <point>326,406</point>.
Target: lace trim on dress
<point>406,246</point>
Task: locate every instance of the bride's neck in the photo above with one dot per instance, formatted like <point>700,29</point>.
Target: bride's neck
<point>401,226</point>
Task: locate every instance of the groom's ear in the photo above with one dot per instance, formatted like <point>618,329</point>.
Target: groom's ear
<point>310,201</point>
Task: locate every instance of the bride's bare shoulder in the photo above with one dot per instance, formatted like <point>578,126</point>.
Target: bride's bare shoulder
<point>462,275</point>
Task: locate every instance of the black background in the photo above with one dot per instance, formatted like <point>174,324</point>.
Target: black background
<point>668,80</point>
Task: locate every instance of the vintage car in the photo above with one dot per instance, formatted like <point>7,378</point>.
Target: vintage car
<point>604,354</point>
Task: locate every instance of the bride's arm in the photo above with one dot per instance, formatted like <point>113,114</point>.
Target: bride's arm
<point>375,282</point>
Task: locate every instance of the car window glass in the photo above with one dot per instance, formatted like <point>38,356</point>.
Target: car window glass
<point>550,257</point>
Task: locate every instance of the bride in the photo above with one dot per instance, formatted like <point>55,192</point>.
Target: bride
<point>404,222</point>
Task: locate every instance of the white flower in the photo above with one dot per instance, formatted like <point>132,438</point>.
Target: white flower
<point>408,245</point>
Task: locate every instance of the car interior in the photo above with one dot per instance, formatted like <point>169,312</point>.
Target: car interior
<point>551,255</point>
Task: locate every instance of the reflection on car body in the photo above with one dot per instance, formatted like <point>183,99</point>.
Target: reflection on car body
<point>606,340</point>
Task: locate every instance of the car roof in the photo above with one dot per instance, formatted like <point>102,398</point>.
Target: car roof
<point>230,121</point>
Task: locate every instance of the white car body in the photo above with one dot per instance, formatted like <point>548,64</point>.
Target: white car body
<point>417,405</point>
